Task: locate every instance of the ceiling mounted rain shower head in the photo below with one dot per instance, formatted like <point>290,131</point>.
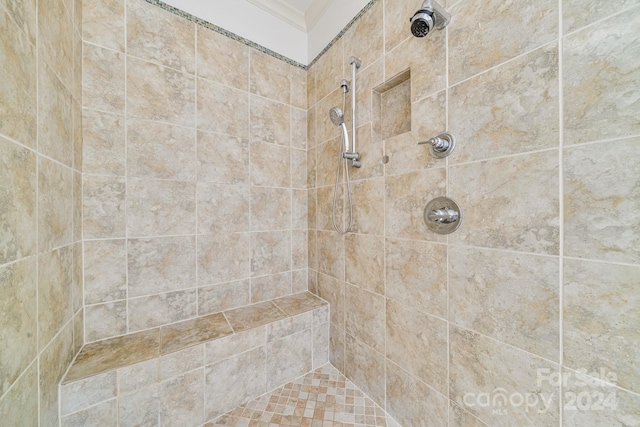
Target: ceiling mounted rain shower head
<point>430,15</point>
<point>337,116</point>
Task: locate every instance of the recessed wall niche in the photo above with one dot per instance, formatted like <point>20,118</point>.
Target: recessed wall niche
<point>392,106</point>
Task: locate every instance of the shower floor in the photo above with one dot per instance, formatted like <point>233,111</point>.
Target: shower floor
<point>322,398</point>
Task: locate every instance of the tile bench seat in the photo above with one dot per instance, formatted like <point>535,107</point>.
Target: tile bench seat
<point>190,372</point>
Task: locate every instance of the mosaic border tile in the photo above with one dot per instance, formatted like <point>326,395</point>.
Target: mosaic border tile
<point>247,42</point>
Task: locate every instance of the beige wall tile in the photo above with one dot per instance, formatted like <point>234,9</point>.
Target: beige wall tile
<point>337,346</point>
<point>157,207</point>
<point>601,309</point>
<point>601,199</point>
<point>298,87</point>
<point>412,402</point>
<point>222,59</point>
<point>269,287</point>
<point>223,208</point>
<point>158,93</point>
<point>246,371</point>
<point>330,252</point>
<point>329,71</point>
<point>324,128</point>
<point>300,209</point>
<point>104,414</point>
<point>481,365</point>
<point>223,159</point>
<point>138,376</point>
<point>299,249</point>
<point>364,40</point>
<point>396,15</point>
<point>270,121</point>
<point>18,202</point>
<point>458,417</point>
<point>19,316</point>
<point>55,38</point>
<point>103,200</point>
<point>510,109</point>
<point>82,394</point>
<point>510,297</point>
<point>405,155</point>
<point>55,195</point>
<point>599,68</point>
<point>105,271</point>
<point>418,343</point>
<point>288,358</point>
<point>160,265</point>
<point>180,362</point>
<point>519,185</point>
<point>103,79</point>
<point>182,399</point>
<point>103,23</point>
<point>320,345</point>
<point>368,204</point>
<point>270,209</point>
<point>20,404</point>
<point>405,199</point>
<point>364,262</point>
<point>300,281</point>
<point>366,368</point>
<point>298,168</point>
<point>298,128</point>
<point>53,363</point>
<point>270,252</point>
<point>327,156</point>
<point>24,14</point>
<point>223,257</point>
<point>371,151</point>
<point>18,93</point>
<point>139,408</point>
<point>270,77</point>
<point>160,36</point>
<point>223,296</point>
<point>473,50</point>
<point>158,150</point>
<point>270,165</point>
<point>54,292</point>
<point>103,143</point>
<point>364,316</point>
<point>609,405</point>
<point>55,127</point>
<point>574,16</point>
<point>232,345</point>
<point>155,310</point>
<point>222,109</point>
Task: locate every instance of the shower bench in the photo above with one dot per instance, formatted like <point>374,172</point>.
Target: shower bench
<point>191,372</point>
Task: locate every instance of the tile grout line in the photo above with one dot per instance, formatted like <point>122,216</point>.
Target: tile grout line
<point>561,385</point>
<point>37,252</point>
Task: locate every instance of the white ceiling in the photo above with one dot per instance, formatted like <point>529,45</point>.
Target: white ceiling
<point>297,29</point>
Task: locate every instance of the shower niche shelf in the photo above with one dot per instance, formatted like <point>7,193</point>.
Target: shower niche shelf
<point>392,106</point>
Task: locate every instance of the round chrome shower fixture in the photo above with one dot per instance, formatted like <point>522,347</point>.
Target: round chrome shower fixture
<point>337,116</point>
<point>430,15</point>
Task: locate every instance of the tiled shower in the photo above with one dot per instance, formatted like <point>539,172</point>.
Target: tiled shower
<point>154,171</point>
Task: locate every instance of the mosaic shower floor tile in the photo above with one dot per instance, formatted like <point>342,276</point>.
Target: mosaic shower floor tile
<point>322,398</point>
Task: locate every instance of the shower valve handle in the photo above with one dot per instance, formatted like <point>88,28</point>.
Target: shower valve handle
<point>441,145</point>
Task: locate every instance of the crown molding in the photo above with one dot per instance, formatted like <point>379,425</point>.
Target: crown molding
<point>315,11</point>
<point>284,11</point>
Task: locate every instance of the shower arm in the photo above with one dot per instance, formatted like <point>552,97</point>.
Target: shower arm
<point>354,156</point>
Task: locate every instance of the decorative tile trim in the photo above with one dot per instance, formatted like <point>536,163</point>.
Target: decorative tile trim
<point>344,30</point>
<point>247,42</point>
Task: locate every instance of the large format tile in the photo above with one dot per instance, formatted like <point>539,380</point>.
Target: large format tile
<point>366,368</point>
<point>223,296</point>
<point>579,13</point>
<point>223,257</point>
<point>223,208</point>
<point>160,265</point>
<point>55,38</point>
<point>103,23</point>
<point>365,316</point>
<point>17,202</point>
<point>525,187</point>
<point>412,402</point>
<point>223,159</point>
<point>511,297</point>
<point>156,310</point>
<point>222,109</point>
<point>103,206</point>
<point>601,313</point>
<point>222,59</point>
<point>270,165</point>
<point>156,208</point>
<point>20,405</point>
<point>418,343</point>
<point>408,279</point>
<point>159,150</point>
<point>474,49</point>
<point>55,127</point>
<point>269,77</point>
<point>103,143</point>
<point>103,79</point>
<point>55,195</point>
<point>18,93</point>
<point>18,315</point>
<point>54,293</point>
<point>364,40</point>
<point>331,254</point>
<point>602,201</point>
<point>288,358</point>
<point>105,320</point>
<point>270,209</point>
<point>406,197</point>
<point>600,66</point>
<point>270,252</point>
<point>480,366</point>
<point>364,262</point>
<point>270,121</point>
<point>182,399</point>
<point>160,36</point>
<point>266,288</point>
<point>248,374</point>
<point>510,109</point>
<point>159,93</point>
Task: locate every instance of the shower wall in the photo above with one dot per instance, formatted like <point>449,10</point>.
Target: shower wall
<point>542,276</point>
<point>40,204</point>
<point>194,172</point>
